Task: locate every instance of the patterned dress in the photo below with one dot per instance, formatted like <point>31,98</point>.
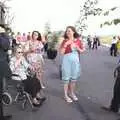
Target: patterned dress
<point>35,58</point>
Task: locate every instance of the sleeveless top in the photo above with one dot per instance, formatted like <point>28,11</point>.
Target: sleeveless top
<point>68,48</point>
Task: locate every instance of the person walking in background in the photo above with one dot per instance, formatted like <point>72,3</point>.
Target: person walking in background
<point>89,41</point>
<point>18,38</point>
<point>118,45</point>
<point>14,43</point>
<point>46,43</point>
<point>24,37</point>
<point>113,49</point>
<point>95,43</point>
<point>28,36</point>
<point>70,49</point>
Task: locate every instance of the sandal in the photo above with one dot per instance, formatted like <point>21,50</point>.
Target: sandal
<point>68,100</point>
<point>74,97</point>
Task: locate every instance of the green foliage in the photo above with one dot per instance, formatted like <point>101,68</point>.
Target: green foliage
<point>101,25</point>
<point>107,23</point>
<point>112,9</point>
<point>7,17</point>
<point>106,39</point>
<point>89,8</point>
<point>106,13</point>
<point>53,39</point>
<point>47,29</point>
<point>6,28</point>
<point>116,21</point>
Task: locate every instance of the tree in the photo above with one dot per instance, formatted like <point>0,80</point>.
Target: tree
<point>114,21</point>
<point>47,28</point>
<point>89,8</point>
<point>6,16</point>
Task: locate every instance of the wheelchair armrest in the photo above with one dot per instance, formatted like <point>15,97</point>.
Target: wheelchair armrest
<point>15,75</point>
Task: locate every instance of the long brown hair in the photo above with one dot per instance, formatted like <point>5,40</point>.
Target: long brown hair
<point>76,35</point>
<point>39,35</point>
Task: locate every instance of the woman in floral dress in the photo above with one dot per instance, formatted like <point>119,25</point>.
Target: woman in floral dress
<point>34,51</point>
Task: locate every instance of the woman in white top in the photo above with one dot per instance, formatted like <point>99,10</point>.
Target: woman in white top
<point>113,49</point>
<point>19,66</point>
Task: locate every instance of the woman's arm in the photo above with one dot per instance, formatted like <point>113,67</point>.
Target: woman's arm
<point>28,48</point>
<point>62,47</point>
<point>80,47</point>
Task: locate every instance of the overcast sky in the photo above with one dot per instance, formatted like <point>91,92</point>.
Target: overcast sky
<point>33,14</point>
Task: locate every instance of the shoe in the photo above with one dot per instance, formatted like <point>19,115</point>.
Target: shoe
<point>41,99</point>
<point>108,109</point>
<point>37,105</point>
<point>68,100</point>
<point>74,97</point>
<point>43,87</point>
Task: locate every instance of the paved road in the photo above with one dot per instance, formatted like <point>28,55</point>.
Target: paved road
<point>94,90</point>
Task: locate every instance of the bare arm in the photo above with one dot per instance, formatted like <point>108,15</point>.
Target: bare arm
<point>80,47</point>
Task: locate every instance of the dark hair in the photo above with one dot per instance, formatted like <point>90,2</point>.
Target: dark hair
<point>39,35</point>
<point>76,35</point>
<point>114,37</point>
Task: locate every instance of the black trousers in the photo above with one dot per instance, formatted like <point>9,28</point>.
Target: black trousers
<point>89,45</point>
<point>4,73</point>
<point>113,50</point>
<point>95,45</point>
<point>1,92</point>
<point>32,86</point>
<point>116,96</point>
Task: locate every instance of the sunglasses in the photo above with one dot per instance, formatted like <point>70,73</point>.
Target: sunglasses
<point>19,52</point>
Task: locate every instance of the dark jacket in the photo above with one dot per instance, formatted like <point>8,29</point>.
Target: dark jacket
<point>4,46</point>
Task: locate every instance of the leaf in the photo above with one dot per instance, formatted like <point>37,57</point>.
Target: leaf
<point>116,21</point>
<point>113,8</point>
<point>106,13</point>
<point>101,25</point>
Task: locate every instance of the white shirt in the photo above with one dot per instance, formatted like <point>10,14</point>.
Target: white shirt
<point>114,41</point>
<point>21,70</point>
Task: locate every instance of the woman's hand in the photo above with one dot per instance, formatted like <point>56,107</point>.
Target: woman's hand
<point>79,49</point>
<point>67,43</point>
<point>32,50</point>
<point>18,62</point>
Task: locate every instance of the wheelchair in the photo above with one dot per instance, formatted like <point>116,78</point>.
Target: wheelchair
<point>21,95</point>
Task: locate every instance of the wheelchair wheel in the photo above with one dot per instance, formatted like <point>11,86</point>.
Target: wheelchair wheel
<point>6,98</point>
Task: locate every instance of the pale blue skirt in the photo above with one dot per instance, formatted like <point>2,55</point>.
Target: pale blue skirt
<point>71,68</point>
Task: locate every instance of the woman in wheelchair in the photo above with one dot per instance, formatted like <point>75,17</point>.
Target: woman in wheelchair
<point>19,66</point>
